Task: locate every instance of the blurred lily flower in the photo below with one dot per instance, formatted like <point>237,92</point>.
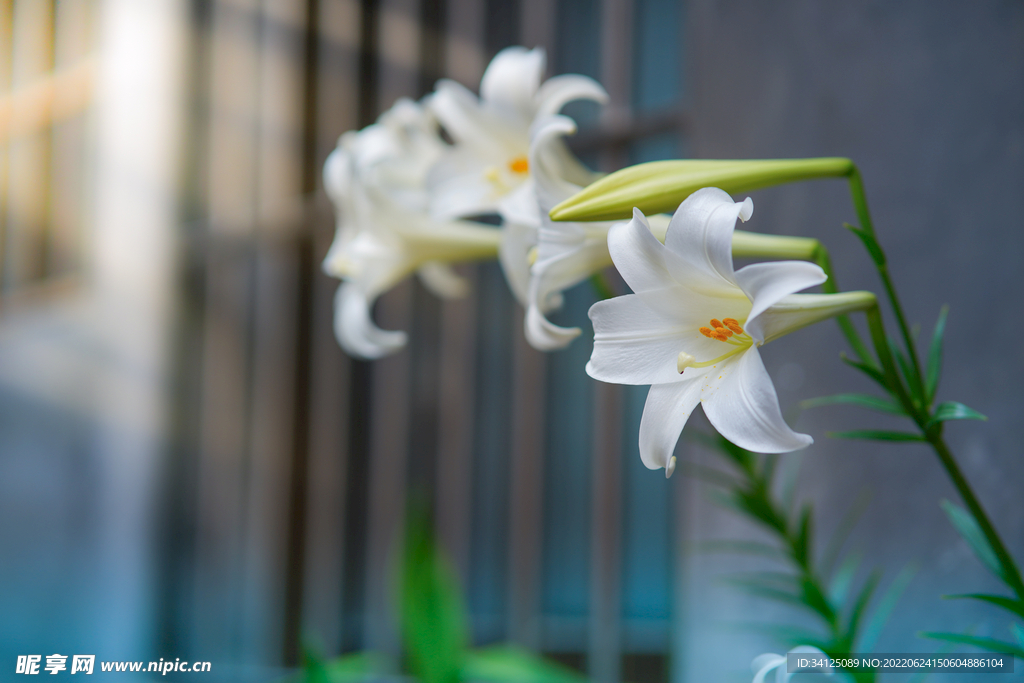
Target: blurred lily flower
<point>489,157</point>
<point>376,179</point>
<point>693,327</point>
<point>768,662</point>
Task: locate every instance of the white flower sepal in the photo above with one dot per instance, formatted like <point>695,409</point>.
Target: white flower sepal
<point>768,662</point>
<point>491,134</point>
<point>376,179</point>
<point>693,327</point>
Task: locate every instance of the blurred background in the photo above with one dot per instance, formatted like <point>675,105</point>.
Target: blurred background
<point>189,465</point>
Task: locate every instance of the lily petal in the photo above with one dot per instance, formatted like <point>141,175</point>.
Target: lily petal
<point>512,78</point>
<point>666,411</point>
<point>767,283</point>
<point>517,240</point>
<point>642,261</point>
<point>701,235</point>
<point>741,403</point>
<point>354,327</point>
<point>560,90</point>
<point>634,344</point>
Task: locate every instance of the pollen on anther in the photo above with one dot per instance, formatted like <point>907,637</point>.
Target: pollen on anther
<point>722,330</point>
<point>721,337</point>
<point>715,322</point>
<point>707,332</point>
<point>519,165</point>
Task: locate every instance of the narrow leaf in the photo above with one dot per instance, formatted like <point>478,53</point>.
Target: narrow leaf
<point>968,528</point>
<point>934,371</point>
<point>861,605</point>
<point>842,532</point>
<point>878,403</point>
<point>909,372</point>
<point>840,584</point>
<point>951,410</point>
<point>1013,604</point>
<point>507,664</point>
<point>868,369</point>
<point>990,644</point>
<point>885,607</point>
<point>876,435</point>
<point>872,246</point>
<point>432,615</point>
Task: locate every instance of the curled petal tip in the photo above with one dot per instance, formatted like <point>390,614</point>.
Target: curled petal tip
<point>670,467</point>
<point>746,209</point>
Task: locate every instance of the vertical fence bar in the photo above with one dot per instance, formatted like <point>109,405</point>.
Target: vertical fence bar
<point>231,157</point>
<point>327,482</point>
<point>397,76</point>
<point>6,85</point>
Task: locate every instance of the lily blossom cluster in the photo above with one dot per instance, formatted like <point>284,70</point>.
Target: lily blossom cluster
<point>414,192</point>
<point>405,196</point>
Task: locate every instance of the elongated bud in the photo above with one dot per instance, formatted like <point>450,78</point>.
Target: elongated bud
<point>660,186</point>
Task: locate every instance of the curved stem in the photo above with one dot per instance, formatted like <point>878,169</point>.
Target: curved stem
<point>820,256</point>
<point>919,412</point>
<point>1011,575</point>
<point>860,204</point>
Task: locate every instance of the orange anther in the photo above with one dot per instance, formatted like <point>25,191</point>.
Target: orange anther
<point>721,337</point>
<point>707,332</point>
<point>715,322</point>
<point>519,165</point>
<point>735,328</point>
<point>730,321</point>
<point>722,330</point>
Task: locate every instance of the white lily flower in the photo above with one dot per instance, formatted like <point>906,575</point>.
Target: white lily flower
<point>567,253</point>
<point>377,180</point>
<point>489,159</point>
<point>693,327</point>
<point>768,662</point>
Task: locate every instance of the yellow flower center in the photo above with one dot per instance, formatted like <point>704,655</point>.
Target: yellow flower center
<point>726,330</point>
<point>519,165</point>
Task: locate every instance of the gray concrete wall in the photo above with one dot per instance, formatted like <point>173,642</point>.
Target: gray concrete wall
<point>928,99</point>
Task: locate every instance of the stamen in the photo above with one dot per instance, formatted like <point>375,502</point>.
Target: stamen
<point>722,330</point>
<point>733,325</point>
<point>715,322</point>
<point>707,332</point>
<point>519,165</point>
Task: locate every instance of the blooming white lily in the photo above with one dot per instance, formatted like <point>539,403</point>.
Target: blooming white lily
<point>567,253</point>
<point>768,662</point>
<point>489,159</point>
<point>376,179</point>
<point>693,327</point>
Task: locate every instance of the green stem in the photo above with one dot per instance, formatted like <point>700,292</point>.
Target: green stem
<point>919,412</point>
<point>860,204</point>
<point>821,257</point>
<point>1011,575</point>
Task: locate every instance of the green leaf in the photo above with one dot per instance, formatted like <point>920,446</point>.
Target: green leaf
<point>878,403</point>
<point>660,186</point>
<point>968,528</point>
<point>1013,604</point>
<point>876,435</point>
<point>860,606</point>
<point>359,666</point>
<point>1018,633</point>
<point>934,371</point>
<point>885,607</point>
<point>840,584</point>
<point>842,532</point>
<point>951,410</point>
<point>508,664</point>
<point>870,243</point>
<point>909,372</point>
<point>432,615</point>
<point>868,369</point>
<point>990,644</point>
